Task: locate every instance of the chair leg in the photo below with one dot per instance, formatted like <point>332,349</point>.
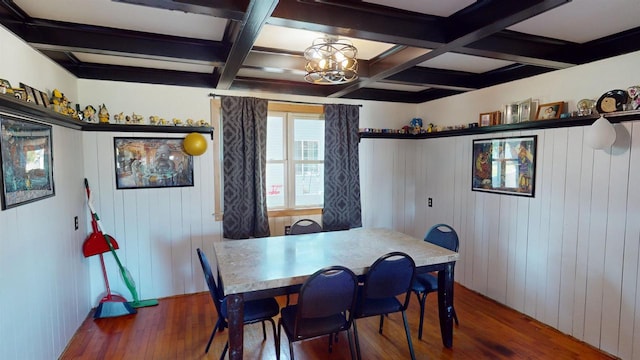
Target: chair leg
<point>422,300</point>
<point>381,324</point>
<point>455,316</point>
<point>406,330</point>
<point>219,325</point>
<point>273,327</point>
<point>224,351</point>
<point>330,343</point>
<point>278,340</point>
<point>350,343</point>
<point>356,340</point>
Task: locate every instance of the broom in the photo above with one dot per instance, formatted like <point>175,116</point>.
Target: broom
<point>111,305</point>
<point>124,272</point>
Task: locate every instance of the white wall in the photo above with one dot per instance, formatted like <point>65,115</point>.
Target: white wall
<point>44,283</point>
<point>568,257</point>
<point>160,236</point>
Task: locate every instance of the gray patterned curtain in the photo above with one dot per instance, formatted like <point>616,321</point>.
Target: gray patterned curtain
<point>244,130</point>
<point>342,208</point>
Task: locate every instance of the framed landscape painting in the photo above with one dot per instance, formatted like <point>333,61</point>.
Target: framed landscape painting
<point>151,163</point>
<point>505,165</point>
<point>27,161</point>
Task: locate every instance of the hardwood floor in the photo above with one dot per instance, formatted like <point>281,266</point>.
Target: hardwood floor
<point>179,327</point>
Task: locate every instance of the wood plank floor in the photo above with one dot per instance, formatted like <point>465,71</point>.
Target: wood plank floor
<point>179,327</point>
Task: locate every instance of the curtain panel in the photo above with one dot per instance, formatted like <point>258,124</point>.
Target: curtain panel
<point>342,207</point>
<point>244,129</point>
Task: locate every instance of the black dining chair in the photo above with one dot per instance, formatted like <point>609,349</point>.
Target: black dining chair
<point>444,236</point>
<point>389,277</point>
<point>305,226</point>
<point>255,311</point>
<point>325,307</point>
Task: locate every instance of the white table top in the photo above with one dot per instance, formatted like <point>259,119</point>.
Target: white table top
<point>279,261</point>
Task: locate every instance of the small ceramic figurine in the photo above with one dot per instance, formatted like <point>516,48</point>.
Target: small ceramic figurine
<point>189,122</point>
<point>118,118</point>
<point>103,114</point>
<point>634,96</point>
<point>136,119</point>
<point>89,114</point>
<point>201,122</point>
<point>177,122</point>
<point>153,120</point>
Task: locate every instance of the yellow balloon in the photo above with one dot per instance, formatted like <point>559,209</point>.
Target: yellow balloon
<point>195,144</point>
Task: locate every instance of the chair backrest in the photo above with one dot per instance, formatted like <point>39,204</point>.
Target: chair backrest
<point>305,226</point>
<point>329,291</point>
<point>443,235</point>
<point>389,276</point>
<point>214,289</point>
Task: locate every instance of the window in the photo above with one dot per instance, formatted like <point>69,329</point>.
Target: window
<point>295,160</point>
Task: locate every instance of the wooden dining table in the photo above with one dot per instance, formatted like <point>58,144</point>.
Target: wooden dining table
<point>264,267</point>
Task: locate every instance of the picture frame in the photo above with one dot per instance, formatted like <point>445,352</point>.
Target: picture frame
<point>45,99</point>
<point>27,161</point>
<point>151,163</point>
<point>550,111</point>
<point>505,165</point>
<point>490,118</point>
<point>524,110</point>
<point>511,114</point>
<point>31,93</point>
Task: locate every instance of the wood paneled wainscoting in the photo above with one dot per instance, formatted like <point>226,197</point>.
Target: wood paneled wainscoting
<point>179,327</point>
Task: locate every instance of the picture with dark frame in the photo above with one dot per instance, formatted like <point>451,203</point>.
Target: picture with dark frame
<point>27,161</point>
<point>550,111</point>
<point>151,163</point>
<point>505,165</point>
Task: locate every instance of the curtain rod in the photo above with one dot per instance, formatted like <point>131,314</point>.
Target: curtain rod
<point>287,101</point>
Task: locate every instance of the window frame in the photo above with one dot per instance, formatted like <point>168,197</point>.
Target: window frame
<point>289,114</point>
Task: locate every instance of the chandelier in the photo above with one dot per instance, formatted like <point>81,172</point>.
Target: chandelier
<point>331,61</point>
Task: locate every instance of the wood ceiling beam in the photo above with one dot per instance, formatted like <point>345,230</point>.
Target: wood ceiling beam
<point>255,18</point>
<point>140,75</point>
<point>226,9</point>
<point>475,22</point>
<point>98,39</point>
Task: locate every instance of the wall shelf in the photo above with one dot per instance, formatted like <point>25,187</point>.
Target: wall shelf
<point>614,117</point>
<point>36,112</point>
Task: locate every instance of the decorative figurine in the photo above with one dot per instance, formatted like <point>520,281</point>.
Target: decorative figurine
<point>89,114</point>
<point>153,120</point>
<point>103,114</point>
<point>118,118</point>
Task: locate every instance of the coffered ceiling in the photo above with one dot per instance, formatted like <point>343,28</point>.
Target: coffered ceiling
<point>408,50</point>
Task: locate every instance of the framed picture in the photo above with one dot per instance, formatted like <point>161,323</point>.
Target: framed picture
<point>31,93</point>
<point>151,163</point>
<point>524,110</point>
<point>505,165</point>
<point>45,99</point>
<point>27,161</point>
<point>550,111</point>
<point>511,115</point>
<point>491,118</point>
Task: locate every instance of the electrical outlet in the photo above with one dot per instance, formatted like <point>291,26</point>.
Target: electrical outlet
<point>430,202</point>
<point>75,223</point>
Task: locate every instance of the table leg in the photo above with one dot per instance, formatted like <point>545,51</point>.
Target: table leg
<point>235,314</point>
<point>445,304</point>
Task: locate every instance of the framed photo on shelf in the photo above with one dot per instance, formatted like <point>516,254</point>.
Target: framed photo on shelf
<point>511,115</point>
<point>505,165</point>
<point>31,93</point>
<point>524,110</point>
<point>27,161</point>
<point>151,163</point>
<point>550,111</point>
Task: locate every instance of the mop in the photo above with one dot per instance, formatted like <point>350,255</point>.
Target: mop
<point>111,305</point>
<point>124,272</point>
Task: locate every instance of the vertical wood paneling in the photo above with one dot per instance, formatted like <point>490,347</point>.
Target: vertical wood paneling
<point>399,165</point>
<point>556,223</point>
<point>614,250</point>
<point>597,237</point>
<point>568,257</point>
<point>570,231</point>
<point>629,342</point>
